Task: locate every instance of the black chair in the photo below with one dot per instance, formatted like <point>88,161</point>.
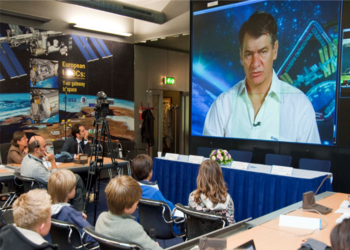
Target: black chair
<point>108,243</point>
<point>199,223</point>
<point>238,155</point>
<point>129,149</point>
<point>157,215</point>
<point>4,150</point>
<point>6,216</point>
<point>315,165</point>
<point>67,235</point>
<point>57,146</point>
<point>203,151</point>
<point>280,160</point>
<point>27,183</point>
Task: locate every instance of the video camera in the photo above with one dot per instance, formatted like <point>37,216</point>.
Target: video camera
<point>102,105</point>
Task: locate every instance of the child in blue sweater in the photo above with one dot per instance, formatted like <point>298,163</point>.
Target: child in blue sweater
<point>142,171</point>
<point>61,187</point>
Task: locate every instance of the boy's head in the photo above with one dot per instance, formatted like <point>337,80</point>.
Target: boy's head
<point>123,194</point>
<point>32,211</point>
<point>61,186</point>
<point>142,167</point>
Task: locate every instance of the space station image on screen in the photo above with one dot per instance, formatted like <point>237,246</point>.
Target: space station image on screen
<point>268,73</point>
<point>44,106</point>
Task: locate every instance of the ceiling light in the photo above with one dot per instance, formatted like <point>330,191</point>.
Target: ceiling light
<point>102,30</point>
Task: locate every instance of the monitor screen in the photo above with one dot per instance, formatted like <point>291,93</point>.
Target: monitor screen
<point>250,81</point>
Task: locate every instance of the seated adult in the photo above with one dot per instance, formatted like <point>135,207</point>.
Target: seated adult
<point>211,194</point>
<point>78,143</point>
<point>340,239</point>
<point>18,148</point>
<point>33,166</point>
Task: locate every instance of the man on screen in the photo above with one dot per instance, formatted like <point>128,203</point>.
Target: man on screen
<point>261,106</point>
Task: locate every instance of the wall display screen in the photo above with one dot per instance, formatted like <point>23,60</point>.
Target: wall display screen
<point>229,76</point>
<point>49,81</point>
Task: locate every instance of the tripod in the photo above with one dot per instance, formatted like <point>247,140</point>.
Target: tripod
<point>96,161</point>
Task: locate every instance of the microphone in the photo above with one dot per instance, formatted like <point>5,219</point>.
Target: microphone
<point>256,124</point>
<point>152,234</point>
<point>309,200</point>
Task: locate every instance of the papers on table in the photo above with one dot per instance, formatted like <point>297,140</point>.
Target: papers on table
<point>299,222</point>
<point>344,208</point>
<point>195,159</point>
<point>239,165</point>
<point>281,170</point>
<point>170,156</point>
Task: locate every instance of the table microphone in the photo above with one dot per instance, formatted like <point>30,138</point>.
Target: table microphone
<point>309,200</point>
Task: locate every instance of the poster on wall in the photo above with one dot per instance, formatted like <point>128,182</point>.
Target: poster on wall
<point>49,81</point>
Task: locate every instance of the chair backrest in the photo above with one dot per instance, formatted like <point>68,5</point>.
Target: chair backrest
<point>108,243</point>
<point>155,215</point>
<point>280,160</point>
<point>199,223</point>
<point>316,165</point>
<point>203,151</point>
<point>129,149</point>
<point>66,235</point>
<point>57,146</point>
<point>6,216</point>
<point>4,150</point>
<point>28,183</point>
<point>238,155</point>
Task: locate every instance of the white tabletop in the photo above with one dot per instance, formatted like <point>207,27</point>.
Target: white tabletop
<point>261,168</point>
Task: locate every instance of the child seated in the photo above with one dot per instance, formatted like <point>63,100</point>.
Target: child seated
<point>211,194</point>
<point>142,167</point>
<point>61,187</point>
<point>32,216</point>
<point>123,194</point>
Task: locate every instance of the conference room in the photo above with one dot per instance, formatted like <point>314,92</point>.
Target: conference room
<point>259,87</point>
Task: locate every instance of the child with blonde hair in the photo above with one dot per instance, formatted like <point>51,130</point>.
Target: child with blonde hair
<point>123,194</point>
<point>32,216</point>
<point>61,187</point>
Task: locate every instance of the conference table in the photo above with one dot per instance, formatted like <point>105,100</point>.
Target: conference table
<point>255,191</point>
<point>268,235</point>
<point>6,172</point>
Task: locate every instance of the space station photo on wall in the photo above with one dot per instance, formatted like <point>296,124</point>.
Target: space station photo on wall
<point>49,81</point>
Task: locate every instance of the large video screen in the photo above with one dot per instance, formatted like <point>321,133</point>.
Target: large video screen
<point>261,89</point>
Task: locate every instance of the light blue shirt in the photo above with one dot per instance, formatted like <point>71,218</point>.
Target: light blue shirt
<point>285,115</point>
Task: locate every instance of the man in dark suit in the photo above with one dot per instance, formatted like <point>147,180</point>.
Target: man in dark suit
<point>78,144</point>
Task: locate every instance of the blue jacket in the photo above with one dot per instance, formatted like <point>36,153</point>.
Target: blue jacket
<point>65,212</point>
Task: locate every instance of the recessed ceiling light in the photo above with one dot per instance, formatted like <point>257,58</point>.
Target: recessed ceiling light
<point>102,30</point>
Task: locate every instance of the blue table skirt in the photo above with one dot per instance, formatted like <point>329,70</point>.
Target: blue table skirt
<point>254,194</point>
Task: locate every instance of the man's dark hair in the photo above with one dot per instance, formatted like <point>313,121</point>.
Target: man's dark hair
<point>258,24</point>
<point>32,146</point>
<point>75,129</point>
<point>17,136</point>
<point>141,166</point>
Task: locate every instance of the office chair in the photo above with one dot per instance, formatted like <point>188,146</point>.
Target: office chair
<point>199,223</point>
<point>157,215</point>
<point>27,183</point>
<point>4,150</point>
<point>205,152</point>
<point>315,165</point>
<point>108,243</point>
<point>280,160</point>
<point>238,155</point>
<point>57,146</point>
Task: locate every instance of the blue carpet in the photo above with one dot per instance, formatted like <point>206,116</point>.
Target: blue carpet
<point>102,207</point>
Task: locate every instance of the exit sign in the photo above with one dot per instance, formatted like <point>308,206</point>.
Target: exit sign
<point>169,80</point>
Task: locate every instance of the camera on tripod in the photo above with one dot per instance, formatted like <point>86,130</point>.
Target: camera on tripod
<point>102,105</point>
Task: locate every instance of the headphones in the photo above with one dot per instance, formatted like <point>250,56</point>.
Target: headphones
<point>36,143</point>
